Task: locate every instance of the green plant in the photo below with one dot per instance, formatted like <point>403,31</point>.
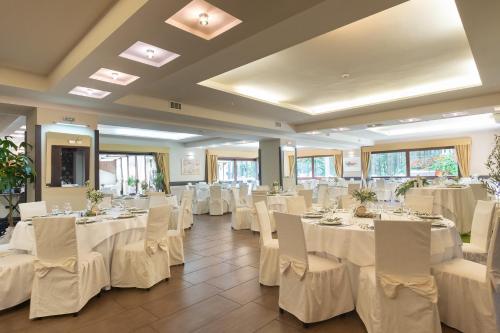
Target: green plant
<point>131,181</point>
<point>364,195</point>
<point>403,188</point>
<point>16,169</point>
<point>493,165</point>
<point>94,196</point>
<point>158,181</point>
<point>144,186</point>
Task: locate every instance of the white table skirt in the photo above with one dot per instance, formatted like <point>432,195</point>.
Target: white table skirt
<point>456,204</point>
<point>356,245</point>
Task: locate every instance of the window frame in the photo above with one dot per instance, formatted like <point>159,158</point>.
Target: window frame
<point>407,158</point>
<point>235,167</point>
<point>312,167</point>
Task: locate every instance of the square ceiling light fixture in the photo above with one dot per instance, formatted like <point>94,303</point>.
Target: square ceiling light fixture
<point>114,77</point>
<point>148,54</point>
<point>89,92</point>
<point>203,20</point>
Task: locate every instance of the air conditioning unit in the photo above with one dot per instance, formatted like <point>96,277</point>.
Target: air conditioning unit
<point>175,105</point>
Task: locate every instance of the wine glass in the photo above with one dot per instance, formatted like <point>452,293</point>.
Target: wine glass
<point>55,209</point>
<point>67,208</point>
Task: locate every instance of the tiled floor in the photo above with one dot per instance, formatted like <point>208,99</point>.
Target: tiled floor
<point>216,291</point>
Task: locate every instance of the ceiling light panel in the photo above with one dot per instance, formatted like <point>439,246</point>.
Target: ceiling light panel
<point>89,92</point>
<point>148,54</point>
<point>114,77</point>
<point>143,133</point>
<point>203,19</point>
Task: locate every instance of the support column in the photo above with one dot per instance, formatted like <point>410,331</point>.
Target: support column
<point>275,156</point>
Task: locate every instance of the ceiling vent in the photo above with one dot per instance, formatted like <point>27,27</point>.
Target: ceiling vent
<point>175,105</point>
<point>277,124</point>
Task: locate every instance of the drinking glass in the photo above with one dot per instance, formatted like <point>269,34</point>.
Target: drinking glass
<point>67,208</point>
<point>55,209</point>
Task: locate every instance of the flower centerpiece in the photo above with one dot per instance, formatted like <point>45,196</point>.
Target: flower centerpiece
<point>363,196</point>
<point>404,187</point>
<point>493,165</point>
<point>94,198</point>
<point>275,188</point>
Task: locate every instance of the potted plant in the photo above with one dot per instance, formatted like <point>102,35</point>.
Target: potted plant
<point>158,181</point>
<point>16,170</point>
<point>363,196</point>
<point>132,182</point>
<point>406,186</point>
<point>144,187</point>
<point>94,198</point>
<point>276,187</point>
<point>493,165</point>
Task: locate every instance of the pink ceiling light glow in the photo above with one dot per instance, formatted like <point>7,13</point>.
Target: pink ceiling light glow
<point>203,19</point>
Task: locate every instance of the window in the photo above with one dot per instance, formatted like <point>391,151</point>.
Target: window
<point>124,173</point>
<point>411,163</point>
<point>316,167</point>
<point>433,162</point>
<point>392,164</point>
<point>229,170</point>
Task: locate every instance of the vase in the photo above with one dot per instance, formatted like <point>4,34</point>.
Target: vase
<point>361,210</point>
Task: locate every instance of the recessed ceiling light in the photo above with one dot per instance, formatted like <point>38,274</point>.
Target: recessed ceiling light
<point>374,125</point>
<point>14,135</point>
<point>313,132</point>
<point>19,132</point>
<point>409,120</point>
<point>454,114</point>
<point>89,92</point>
<point>23,127</point>
<point>148,54</point>
<point>346,75</point>
<point>340,129</point>
<point>143,133</point>
<point>112,76</point>
<point>203,19</point>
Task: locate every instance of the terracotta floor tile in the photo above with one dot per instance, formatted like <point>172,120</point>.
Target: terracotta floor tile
<point>234,278</point>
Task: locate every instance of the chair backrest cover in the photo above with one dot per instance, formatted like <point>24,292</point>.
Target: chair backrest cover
<point>482,224</point>
<point>403,247</point>
<point>258,198</point>
<point>480,192</point>
<point>351,187</point>
<point>291,239</point>
<point>264,222</point>
<point>215,193</point>
<point>347,201</point>
<point>419,203</point>
<point>308,197</point>
<point>157,225</point>
<point>180,217</point>
<point>296,205</point>
<point>493,262</point>
<point>55,238</point>
<point>243,190</point>
<point>322,194</point>
<point>30,209</point>
<point>158,200</point>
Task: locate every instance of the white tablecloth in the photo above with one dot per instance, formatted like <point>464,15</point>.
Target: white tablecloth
<point>357,245</point>
<point>456,204</point>
<point>143,203</point>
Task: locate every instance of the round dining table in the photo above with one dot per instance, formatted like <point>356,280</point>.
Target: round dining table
<point>454,203</point>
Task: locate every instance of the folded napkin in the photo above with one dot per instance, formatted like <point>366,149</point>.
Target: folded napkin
<point>423,285</point>
<point>297,266</point>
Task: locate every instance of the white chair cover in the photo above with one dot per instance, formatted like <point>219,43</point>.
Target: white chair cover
<point>351,187</point>
<point>480,192</point>
<point>144,263</point>
<point>469,292</point>
<point>347,201</point>
<point>241,216</point>
<point>308,197</point>
<point>63,281</point>
<point>31,209</point>
<point>400,294</point>
<point>296,205</point>
<point>175,237</point>
<point>188,208</point>
<point>200,199</point>
<point>419,203</point>
<point>481,231</point>
<point>312,288</point>
<point>323,197</point>
<point>216,206</point>
<point>158,200</point>
<point>16,276</point>
<point>256,197</point>
<point>263,188</point>
<point>269,273</point>
<point>243,194</point>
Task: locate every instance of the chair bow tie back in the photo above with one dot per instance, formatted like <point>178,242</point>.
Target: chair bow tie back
<point>42,268</point>
<point>153,245</point>
<point>297,266</point>
<point>422,285</point>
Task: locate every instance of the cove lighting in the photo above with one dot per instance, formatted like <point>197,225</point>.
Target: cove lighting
<point>143,133</point>
<point>71,124</point>
<point>259,94</point>
<point>340,129</point>
<point>409,120</point>
<point>460,124</point>
<point>454,114</point>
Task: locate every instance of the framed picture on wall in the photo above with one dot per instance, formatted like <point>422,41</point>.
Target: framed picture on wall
<point>352,164</point>
<point>190,166</point>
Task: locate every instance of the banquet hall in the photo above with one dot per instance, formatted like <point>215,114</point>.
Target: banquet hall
<point>250,166</point>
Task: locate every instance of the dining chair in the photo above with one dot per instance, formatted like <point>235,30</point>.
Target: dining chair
<point>347,201</point>
<point>241,216</point>
<point>399,293</point>
<point>243,194</point>
<point>312,288</point>
<point>216,204</point>
<point>263,188</point>
<point>419,203</point>
<point>308,197</point>
<point>469,292</point>
<point>16,274</point>
<point>323,195</point>
<point>188,208</point>
<point>351,187</point>
<point>176,237</point>
<point>256,197</point>
<point>477,249</point>
<point>158,200</point>
<point>296,205</point>
<point>200,199</point>
<point>31,209</point>
<point>269,273</point>
<point>144,263</point>
<point>65,280</point>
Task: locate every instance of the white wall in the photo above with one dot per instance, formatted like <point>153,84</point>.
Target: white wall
<point>482,144</point>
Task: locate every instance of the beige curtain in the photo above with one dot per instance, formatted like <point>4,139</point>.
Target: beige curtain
<point>291,165</point>
<point>211,168</point>
<point>162,163</point>
<point>463,159</point>
<point>339,164</point>
<point>365,163</point>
